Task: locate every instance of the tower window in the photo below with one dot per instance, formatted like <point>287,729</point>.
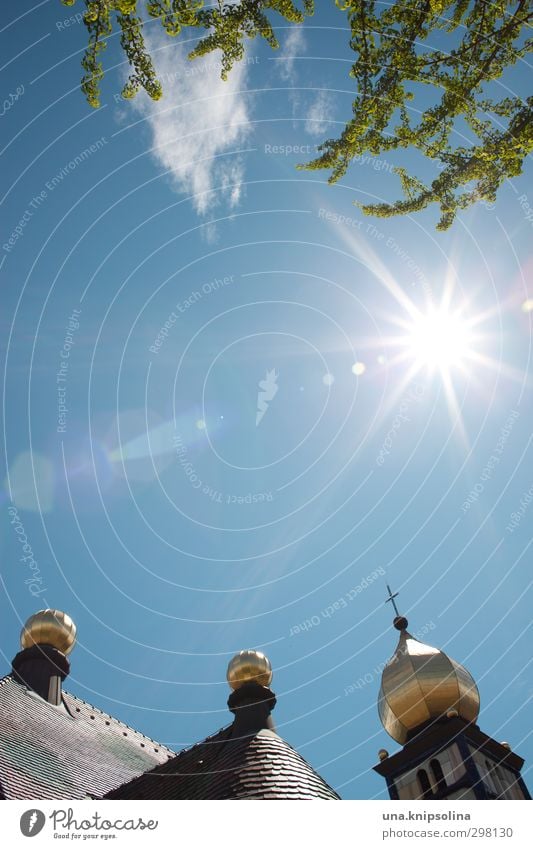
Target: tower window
<point>438,774</point>
<point>488,775</point>
<point>424,783</point>
<point>494,775</point>
<point>501,780</point>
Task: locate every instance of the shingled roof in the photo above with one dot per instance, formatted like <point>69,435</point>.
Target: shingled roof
<point>226,766</point>
<point>70,751</point>
<point>54,745</point>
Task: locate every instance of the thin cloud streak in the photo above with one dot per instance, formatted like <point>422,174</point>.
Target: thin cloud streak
<point>319,114</point>
<point>294,45</point>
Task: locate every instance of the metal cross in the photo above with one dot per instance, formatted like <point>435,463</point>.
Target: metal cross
<point>392,596</point>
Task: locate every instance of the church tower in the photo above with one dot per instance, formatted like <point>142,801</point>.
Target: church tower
<point>429,704</point>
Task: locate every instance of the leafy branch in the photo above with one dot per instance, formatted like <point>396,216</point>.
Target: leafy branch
<point>392,59</point>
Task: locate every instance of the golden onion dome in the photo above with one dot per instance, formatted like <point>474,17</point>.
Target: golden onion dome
<point>421,683</point>
<point>49,628</point>
<point>249,667</point>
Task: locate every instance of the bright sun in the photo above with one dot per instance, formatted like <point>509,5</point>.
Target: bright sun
<point>436,338</point>
<point>439,339</point>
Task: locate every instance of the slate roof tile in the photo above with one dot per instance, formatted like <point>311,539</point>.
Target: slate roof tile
<point>49,752</point>
<point>225,767</point>
<point>75,751</point>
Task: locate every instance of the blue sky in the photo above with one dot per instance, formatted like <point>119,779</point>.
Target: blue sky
<point>167,259</point>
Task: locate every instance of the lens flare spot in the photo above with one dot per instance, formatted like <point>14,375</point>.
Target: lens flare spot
<point>32,482</point>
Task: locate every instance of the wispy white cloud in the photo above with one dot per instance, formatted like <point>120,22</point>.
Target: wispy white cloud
<point>293,46</point>
<point>319,114</point>
<point>199,119</point>
<point>320,109</point>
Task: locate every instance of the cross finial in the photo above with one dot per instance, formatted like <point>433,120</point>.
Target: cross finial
<point>391,597</point>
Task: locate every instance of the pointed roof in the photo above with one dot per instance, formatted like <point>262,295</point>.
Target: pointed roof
<point>68,751</point>
<point>56,746</point>
<point>247,760</point>
<point>225,766</point>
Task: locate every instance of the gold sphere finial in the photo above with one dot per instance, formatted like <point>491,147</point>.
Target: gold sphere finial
<point>49,628</point>
<point>452,713</point>
<point>505,745</point>
<point>383,754</point>
<point>249,667</point>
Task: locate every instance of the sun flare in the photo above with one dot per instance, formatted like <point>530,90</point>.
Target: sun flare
<point>442,341</point>
<point>439,339</point>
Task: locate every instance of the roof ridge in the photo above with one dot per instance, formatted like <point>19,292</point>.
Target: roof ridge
<point>79,751</point>
<point>258,777</point>
<point>9,678</point>
<point>210,739</point>
<point>117,721</point>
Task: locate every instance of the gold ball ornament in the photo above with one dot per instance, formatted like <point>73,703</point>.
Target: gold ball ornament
<point>249,667</point>
<point>49,628</point>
